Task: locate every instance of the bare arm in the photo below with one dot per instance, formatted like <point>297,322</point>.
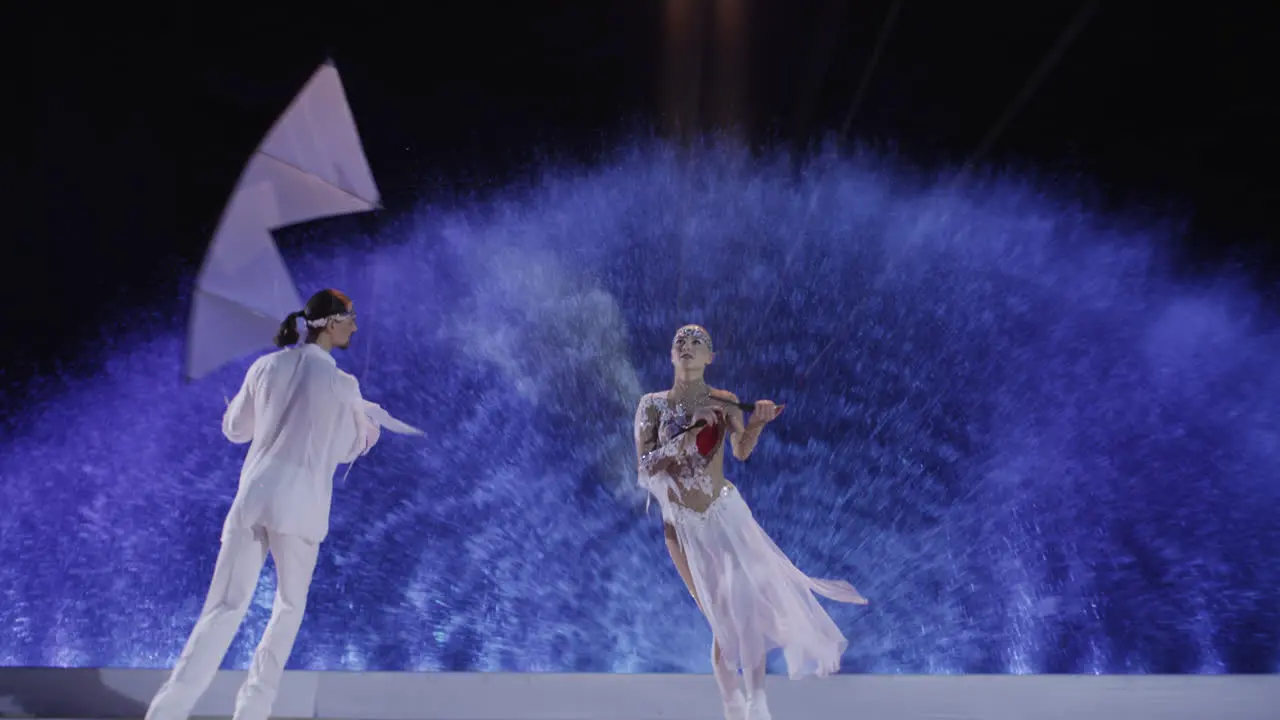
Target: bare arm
<point>744,434</point>
<point>745,443</point>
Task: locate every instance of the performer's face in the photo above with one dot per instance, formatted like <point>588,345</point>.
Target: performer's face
<point>340,331</point>
<point>691,348</point>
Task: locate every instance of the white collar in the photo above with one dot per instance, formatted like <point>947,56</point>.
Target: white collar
<point>317,350</point>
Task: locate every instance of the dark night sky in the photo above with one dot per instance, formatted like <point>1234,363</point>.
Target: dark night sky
<point>141,121</point>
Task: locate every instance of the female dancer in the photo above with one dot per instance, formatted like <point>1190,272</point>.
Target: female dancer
<point>753,596</point>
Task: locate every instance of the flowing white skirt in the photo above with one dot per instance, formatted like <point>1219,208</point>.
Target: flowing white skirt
<point>755,599</point>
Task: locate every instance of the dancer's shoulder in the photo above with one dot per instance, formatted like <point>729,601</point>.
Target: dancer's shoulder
<point>659,396</point>
<point>653,402</point>
<point>346,384</point>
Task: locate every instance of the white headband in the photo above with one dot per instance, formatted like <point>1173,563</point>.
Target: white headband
<point>324,321</point>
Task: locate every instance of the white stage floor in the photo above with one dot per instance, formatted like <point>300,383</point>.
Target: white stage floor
<point>50,693</point>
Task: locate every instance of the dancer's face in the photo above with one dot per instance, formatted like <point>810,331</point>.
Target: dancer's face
<point>341,330</point>
<point>691,348</point>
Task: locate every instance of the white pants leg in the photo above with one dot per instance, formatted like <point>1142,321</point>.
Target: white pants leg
<point>295,560</point>
<point>235,576</point>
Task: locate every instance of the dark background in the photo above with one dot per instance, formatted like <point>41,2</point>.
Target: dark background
<point>139,120</point>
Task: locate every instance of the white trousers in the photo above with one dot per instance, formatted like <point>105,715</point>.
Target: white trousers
<point>235,577</point>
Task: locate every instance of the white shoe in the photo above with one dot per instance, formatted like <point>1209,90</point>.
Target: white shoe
<point>736,709</point>
<point>758,707</point>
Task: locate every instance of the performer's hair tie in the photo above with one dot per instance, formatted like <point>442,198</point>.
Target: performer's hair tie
<point>323,308</point>
<point>287,333</point>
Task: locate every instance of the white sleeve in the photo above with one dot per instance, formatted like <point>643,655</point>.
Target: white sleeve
<point>238,420</point>
<point>356,433</point>
<point>384,419</point>
<point>649,452</point>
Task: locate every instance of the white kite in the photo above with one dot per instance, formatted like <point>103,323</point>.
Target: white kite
<point>311,165</point>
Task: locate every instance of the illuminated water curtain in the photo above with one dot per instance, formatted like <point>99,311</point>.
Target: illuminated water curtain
<point>1011,428</point>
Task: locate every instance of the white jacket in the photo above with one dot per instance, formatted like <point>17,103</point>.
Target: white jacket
<point>302,417</point>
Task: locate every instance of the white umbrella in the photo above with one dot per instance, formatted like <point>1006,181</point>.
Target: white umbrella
<point>310,165</point>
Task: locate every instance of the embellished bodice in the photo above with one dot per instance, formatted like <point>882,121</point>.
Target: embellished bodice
<point>693,477</point>
<point>674,419</point>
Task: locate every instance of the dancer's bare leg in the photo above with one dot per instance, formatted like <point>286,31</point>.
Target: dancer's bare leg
<point>735,701</point>
<point>681,562</point>
<point>731,692</point>
<point>757,704</point>
<point>755,679</point>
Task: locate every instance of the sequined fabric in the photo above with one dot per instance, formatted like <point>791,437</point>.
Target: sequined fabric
<point>677,514</point>
<point>694,483</point>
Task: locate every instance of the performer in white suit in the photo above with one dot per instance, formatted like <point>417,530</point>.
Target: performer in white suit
<point>302,417</point>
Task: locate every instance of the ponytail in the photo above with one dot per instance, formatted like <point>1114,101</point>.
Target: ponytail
<point>288,333</point>
<point>323,304</point>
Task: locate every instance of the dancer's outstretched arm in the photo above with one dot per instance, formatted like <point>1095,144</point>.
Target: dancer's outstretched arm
<point>743,436</point>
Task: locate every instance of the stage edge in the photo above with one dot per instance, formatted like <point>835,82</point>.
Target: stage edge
<point>112,693</point>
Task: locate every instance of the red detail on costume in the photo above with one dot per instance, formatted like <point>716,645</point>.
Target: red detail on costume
<point>709,439</point>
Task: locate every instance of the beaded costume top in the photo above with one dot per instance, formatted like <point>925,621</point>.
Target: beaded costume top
<point>697,477</point>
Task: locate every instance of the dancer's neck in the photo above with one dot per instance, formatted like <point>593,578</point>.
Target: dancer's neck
<point>688,381</point>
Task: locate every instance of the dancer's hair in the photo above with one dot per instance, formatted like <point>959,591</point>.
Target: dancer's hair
<point>322,305</point>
